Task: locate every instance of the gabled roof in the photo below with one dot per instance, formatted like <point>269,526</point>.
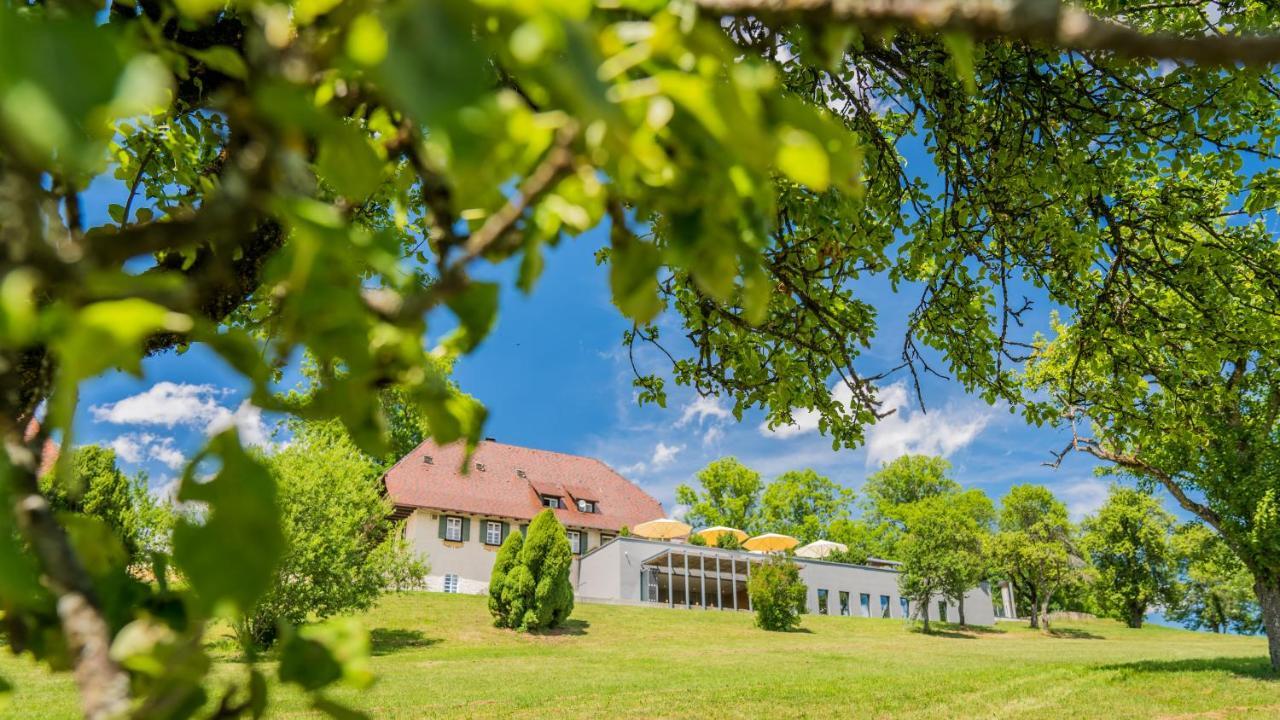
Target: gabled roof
<point>510,483</point>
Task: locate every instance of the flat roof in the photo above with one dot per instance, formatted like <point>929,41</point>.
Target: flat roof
<point>711,550</point>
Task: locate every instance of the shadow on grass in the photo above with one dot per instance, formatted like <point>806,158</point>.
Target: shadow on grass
<point>384,641</point>
<point>571,627</point>
<point>1073,634</point>
<point>1258,667</point>
<point>967,632</point>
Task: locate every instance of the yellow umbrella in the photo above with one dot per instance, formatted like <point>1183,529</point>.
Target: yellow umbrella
<point>713,534</point>
<point>770,542</point>
<point>661,529</point>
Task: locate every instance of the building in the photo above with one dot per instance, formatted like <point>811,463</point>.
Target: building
<point>633,570</point>
<point>458,516</point>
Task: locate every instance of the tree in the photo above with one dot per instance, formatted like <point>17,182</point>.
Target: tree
<point>1130,543</point>
<point>803,504</point>
<point>98,488</point>
<point>730,496</point>
<point>536,591</point>
<point>506,561</point>
<point>942,553</point>
<point>1196,412</point>
<point>323,178</point>
<point>1215,589</point>
<point>343,550</point>
<point>777,594</point>
<point>1034,547</point>
<point>905,480</point>
<point>863,539</point>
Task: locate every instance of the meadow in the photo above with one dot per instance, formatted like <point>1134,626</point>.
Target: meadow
<point>437,655</point>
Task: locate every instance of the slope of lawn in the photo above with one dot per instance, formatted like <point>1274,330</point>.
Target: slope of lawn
<point>438,655</point>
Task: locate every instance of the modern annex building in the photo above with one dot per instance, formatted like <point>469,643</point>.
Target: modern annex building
<point>458,517</point>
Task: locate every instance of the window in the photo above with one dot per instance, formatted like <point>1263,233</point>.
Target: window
<point>906,607</point>
<point>864,603</point>
<point>586,506</point>
<point>551,501</point>
<point>575,542</point>
<point>492,533</point>
<point>844,603</point>
<point>606,538</point>
<point>451,583</point>
<point>453,529</point>
<point>942,610</point>
<point>884,606</point>
<point>822,601</point>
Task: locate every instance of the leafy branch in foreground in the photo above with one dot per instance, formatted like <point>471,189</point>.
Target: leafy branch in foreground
<point>325,177</point>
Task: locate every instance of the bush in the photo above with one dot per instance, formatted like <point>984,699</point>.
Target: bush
<point>697,540</point>
<point>343,551</point>
<point>535,592</point>
<point>508,556</point>
<point>777,594</point>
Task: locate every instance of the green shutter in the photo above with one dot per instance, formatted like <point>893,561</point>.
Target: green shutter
<point>505,527</point>
<point>466,529</point>
<point>443,519</point>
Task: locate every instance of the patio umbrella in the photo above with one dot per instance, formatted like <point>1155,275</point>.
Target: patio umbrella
<point>770,542</point>
<point>713,534</point>
<point>662,529</point>
<point>820,549</point>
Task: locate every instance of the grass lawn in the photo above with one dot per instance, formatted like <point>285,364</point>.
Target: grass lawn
<point>438,655</point>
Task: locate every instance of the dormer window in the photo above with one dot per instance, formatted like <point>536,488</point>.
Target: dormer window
<point>552,501</point>
<point>586,506</point>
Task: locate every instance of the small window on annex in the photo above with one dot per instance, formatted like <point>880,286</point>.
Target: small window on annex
<point>864,604</point>
<point>844,603</point>
<point>942,610</point>
<point>822,601</point>
<point>884,606</point>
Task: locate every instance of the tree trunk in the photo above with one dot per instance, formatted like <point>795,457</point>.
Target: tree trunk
<point>1268,591</point>
<point>1136,615</point>
<point>960,605</point>
<point>1044,615</point>
<point>923,609</point>
<point>1035,616</point>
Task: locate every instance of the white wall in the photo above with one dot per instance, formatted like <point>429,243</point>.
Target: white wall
<point>471,560</point>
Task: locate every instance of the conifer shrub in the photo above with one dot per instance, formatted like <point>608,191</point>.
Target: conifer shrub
<point>533,591</point>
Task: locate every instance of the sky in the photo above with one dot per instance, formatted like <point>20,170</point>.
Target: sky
<point>553,375</point>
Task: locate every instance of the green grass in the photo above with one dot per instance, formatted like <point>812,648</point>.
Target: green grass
<point>438,655</point>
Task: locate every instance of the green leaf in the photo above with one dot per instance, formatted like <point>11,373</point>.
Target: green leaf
<point>316,656</point>
<point>802,159</point>
<point>224,59</point>
<point>230,557</point>
<point>960,45</point>
<point>477,309</point>
<point>633,276</point>
<point>348,163</point>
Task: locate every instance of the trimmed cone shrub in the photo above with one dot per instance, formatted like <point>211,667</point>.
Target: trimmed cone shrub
<point>508,556</point>
<point>777,594</point>
<point>535,591</point>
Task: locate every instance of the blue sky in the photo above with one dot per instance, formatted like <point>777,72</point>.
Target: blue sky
<point>553,375</point>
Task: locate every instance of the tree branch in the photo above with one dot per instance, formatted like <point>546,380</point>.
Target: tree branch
<point>1049,22</point>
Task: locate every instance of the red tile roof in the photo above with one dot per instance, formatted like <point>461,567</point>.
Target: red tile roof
<point>48,453</point>
<point>510,483</point>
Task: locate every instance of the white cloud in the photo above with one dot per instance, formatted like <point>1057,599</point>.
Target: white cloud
<point>184,404</point>
<point>128,448</point>
<point>939,432</point>
<point>634,469</point>
<point>664,454</point>
<point>713,434</point>
<point>1082,497</point>
<point>165,403</point>
<point>140,447</point>
<point>247,420</point>
<point>702,408</point>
